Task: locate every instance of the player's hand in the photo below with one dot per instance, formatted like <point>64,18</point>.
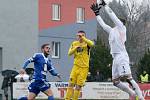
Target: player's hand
<point>103,3</point>
<point>22,71</point>
<point>95,8</point>
<point>76,47</point>
<point>80,34</point>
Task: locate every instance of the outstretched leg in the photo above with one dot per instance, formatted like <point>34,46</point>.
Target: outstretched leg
<point>123,87</point>
<point>49,93</point>
<point>136,88</point>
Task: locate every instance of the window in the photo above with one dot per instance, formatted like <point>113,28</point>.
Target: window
<point>1,58</point>
<point>56,49</point>
<point>80,15</point>
<point>55,12</point>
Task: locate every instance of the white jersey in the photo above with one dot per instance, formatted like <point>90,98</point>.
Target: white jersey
<point>117,35</point>
<point>117,38</point>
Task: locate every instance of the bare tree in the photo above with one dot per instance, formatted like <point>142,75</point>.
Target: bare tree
<point>137,17</point>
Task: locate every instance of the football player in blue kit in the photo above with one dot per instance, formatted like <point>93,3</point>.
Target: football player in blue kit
<point>42,64</point>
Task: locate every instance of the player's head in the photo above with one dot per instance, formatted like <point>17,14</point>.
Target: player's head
<point>79,34</point>
<point>123,21</point>
<point>45,48</point>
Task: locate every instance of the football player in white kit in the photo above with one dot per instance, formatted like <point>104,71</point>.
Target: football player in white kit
<point>117,39</point>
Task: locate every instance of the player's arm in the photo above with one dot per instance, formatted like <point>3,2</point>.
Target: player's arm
<point>31,59</point>
<point>106,27</point>
<point>26,63</point>
<point>51,69</point>
<point>112,15</point>
<point>96,9</point>
<point>89,42</point>
<point>72,49</point>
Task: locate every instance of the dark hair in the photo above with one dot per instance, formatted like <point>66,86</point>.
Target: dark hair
<point>123,21</point>
<point>43,46</point>
<point>81,31</point>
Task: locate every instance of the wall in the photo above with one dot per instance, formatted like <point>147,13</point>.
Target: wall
<point>18,31</point>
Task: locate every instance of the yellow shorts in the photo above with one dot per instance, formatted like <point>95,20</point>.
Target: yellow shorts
<point>78,75</point>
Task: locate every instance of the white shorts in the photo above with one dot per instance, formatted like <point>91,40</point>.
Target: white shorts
<point>120,66</point>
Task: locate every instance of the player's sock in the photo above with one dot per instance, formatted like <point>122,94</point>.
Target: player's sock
<point>76,94</point>
<point>50,98</point>
<point>137,89</point>
<point>125,88</point>
<point>69,93</point>
<point>23,98</point>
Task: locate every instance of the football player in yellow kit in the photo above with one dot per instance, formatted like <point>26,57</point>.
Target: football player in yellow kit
<point>81,51</point>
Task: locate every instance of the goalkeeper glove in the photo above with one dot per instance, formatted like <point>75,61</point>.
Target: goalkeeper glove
<point>95,9</point>
<point>103,3</point>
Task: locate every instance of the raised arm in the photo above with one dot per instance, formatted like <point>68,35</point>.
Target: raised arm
<point>96,9</point>
<point>89,42</point>
<point>113,16</point>
<point>106,27</point>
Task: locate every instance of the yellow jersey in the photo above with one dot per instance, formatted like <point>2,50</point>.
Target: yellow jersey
<point>81,52</point>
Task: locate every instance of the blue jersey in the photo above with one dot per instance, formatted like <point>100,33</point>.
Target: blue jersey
<point>41,66</point>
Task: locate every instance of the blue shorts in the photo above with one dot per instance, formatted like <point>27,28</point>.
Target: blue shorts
<point>37,86</point>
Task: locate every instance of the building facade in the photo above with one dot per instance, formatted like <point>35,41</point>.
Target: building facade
<point>59,21</point>
<point>18,34</point>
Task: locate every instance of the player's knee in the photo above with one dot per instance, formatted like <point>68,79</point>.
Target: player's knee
<point>129,79</point>
<point>48,92</point>
<point>78,87</point>
<point>116,82</point>
<point>31,98</point>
